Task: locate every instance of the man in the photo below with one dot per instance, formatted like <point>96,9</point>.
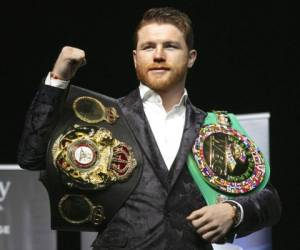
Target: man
<point>165,210</point>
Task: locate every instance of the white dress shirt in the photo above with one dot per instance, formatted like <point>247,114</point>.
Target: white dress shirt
<point>167,127</point>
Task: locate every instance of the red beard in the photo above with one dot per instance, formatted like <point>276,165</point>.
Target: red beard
<point>163,81</point>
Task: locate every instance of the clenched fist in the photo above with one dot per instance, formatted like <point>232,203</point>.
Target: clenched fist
<point>68,62</point>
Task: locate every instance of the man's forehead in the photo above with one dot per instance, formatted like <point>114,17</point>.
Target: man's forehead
<point>157,31</point>
<point>157,27</point>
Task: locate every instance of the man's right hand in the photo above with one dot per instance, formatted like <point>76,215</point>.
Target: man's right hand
<point>68,62</point>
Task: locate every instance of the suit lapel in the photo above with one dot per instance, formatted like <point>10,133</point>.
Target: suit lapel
<point>132,108</point>
<point>193,121</point>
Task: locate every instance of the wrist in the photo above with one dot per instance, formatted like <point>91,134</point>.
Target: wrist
<point>56,76</point>
<point>62,84</point>
<point>237,213</point>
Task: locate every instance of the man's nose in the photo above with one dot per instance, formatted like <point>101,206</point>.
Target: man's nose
<point>159,55</point>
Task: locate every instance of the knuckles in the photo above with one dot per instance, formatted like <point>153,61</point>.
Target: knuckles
<point>73,53</point>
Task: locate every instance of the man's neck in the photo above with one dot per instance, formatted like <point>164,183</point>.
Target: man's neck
<point>171,97</point>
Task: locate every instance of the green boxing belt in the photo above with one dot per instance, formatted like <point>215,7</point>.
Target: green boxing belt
<point>224,161</point>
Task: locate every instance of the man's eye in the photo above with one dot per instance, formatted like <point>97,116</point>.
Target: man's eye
<point>148,47</point>
<point>171,46</point>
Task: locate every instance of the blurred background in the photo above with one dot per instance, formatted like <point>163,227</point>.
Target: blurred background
<point>248,62</point>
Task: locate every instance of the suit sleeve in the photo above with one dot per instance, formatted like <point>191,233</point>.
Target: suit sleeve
<point>261,209</point>
<point>39,122</point>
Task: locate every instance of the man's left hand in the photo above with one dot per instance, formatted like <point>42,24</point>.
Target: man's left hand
<point>213,222</point>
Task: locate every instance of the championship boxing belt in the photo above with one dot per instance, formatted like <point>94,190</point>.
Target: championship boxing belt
<point>225,162</point>
<point>93,162</point>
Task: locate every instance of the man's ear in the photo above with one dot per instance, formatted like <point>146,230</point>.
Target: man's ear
<point>192,57</point>
<point>134,57</point>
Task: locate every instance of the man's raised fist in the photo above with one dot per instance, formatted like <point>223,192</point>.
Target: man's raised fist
<point>68,62</point>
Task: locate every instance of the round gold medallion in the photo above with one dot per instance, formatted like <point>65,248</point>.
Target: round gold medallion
<point>78,209</point>
<point>91,110</point>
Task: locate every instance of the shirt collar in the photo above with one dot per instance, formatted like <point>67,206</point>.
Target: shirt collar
<point>148,95</point>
